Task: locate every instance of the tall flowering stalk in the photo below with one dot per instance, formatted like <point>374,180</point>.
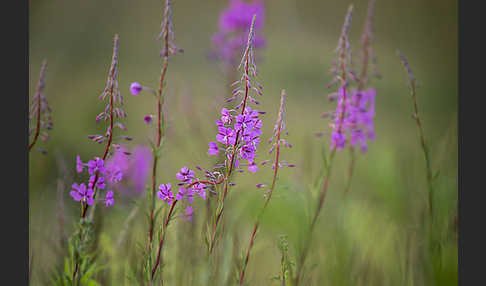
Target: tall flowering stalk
<point>425,148</point>
<point>340,126</point>
<point>239,134</point>
<point>363,101</point>
<point>230,40</point>
<point>100,175</point>
<point>241,139</point>
<point>277,130</point>
<point>169,48</point>
<point>39,111</point>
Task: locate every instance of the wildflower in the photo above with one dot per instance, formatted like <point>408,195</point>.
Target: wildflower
<point>135,88</point>
<point>96,165</point>
<point>200,189</point>
<point>213,148</point>
<point>341,72</point>
<point>360,119</point>
<point>79,164</point>
<point>226,117</point>
<point>253,167</point>
<point>148,118</point>
<point>109,200</point>
<point>189,211</point>
<point>165,193</point>
<point>243,121</point>
<point>115,174</point>
<point>185,175</point>
<point>100,182</point>
<point>184,192</point>
<point>234,22</point>
<point>226,136</point>
<point>81,193</point>
<point>128,174</point>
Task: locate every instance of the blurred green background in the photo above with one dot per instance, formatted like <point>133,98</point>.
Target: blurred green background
<point>371,237</point>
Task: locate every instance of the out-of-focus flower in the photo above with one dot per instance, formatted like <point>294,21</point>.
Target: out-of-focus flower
<point>128,174</point>
<point>109,199</point>
<point>234,23</point>
<point>148,118</point>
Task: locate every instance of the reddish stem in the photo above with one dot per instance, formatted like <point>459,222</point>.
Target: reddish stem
<point>108,144</point>
<point>328,172</point>
<point>161,243</point>
<point>159,137</point>
<point>257,223</point>
<point>225,190</point>
<point>37,126</point>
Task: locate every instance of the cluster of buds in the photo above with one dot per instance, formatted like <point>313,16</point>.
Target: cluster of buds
<point>40,120</point>
<point>167,32</point>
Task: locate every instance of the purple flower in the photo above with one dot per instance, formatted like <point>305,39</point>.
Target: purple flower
<point>165,193</point>
<point>338,140</point>
<point>253,167</point>
<point>116,174</point>
<point>148,118</point>
<point>100,182</point>
<point>213,148</point>
<point>135,88</point>
<point>188,193</point>
<point>226,136</point>
<point>234,23</point>
<point>185,175</point>
<point>79,164</point>
<point>180,194</point>
<point>225,116</point>
<point>239,14</point>
<point>109,200</point>
<point>189,211</point>
<point>81,193</point>
<point>96,165</point>
<point>247,152</point>
<point>128,174</point>
<point>200,189</point>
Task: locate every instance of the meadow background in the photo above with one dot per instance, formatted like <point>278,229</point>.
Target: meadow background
<point>370,237</point>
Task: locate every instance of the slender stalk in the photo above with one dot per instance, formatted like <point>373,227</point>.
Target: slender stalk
<point>424,148</point>
<point>230,169</point>
<point>39,88</point>
<point>269,195</point>
<point>162,239</point>
<point>365,49</point>
<point>343,42</point>
<point>112,75</point>
<point>428,169</point>
<point>160,134</point>
<point>314,219</point>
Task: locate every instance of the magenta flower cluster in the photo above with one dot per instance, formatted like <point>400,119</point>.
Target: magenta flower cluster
<point>234,23</point>
<point>99,174</point>
<point>355,109</point>
<point>248,125</point>
<point>360,119</point>
<point>189,186</point>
